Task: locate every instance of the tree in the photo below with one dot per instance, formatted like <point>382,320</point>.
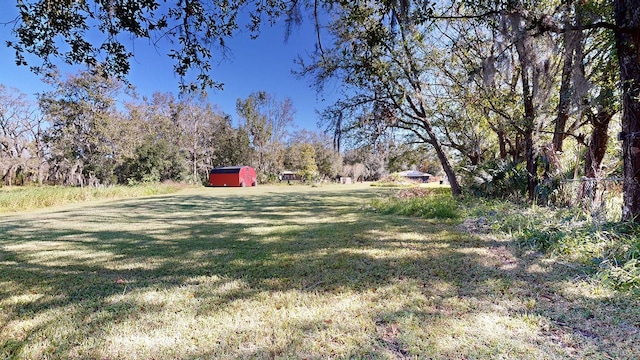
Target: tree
<point>59,30</point>
<point>328,161</point>
<point>368,163</point>
<point>155,120</point>
<point>572,65</point>
<point>301,157</point>
<point>534,70</point>
<point>153,161</point>
<point>356,171</point>
<point>224,145</point>
<point>192,137</point>
<point>381,51</point>
<point>196,120</point>
<point>405,156</point>
<point>625,28</point>
<point>600,100</point>
<point>627,21</point>
<point>267,122</point>
<point>588,92</point>
<point>236,148</point>
<point>478,104</point>
<point>22,149</point>
<point>84,138</point>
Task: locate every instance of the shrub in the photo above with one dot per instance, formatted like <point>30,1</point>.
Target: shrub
<point>499,179</point>
<point>394,180</point>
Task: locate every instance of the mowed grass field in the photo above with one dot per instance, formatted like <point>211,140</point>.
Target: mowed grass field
<point>289,273</point>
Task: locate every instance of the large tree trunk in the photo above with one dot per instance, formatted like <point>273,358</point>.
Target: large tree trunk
<point>456,190</point>
<point>42,167</point>
<point>502,144</point>
<point>596,150</point>
<point>627,16</point>
<point>564,104</point>
<point>597,144</point>
<point>523,47</point>
<point>531,165</point>
<point>529,117</point>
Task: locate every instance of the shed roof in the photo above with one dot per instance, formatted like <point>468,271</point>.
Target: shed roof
<point>230,167</point>
<point>226,169</point>
<point>414,173</point>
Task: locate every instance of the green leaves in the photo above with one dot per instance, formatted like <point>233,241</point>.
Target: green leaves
<point>54,30</point>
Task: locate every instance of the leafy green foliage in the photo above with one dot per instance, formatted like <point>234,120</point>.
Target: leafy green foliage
<point>328,160</point>
<point>619,264</point>
<point>266,121</point>
<point>302,159</point>
<point>499,179</point>
<point>407,156</point>
<point>154,161</point>
<point>384,54</point>
<point>80,137</point>
<point>58,31</point>
<point>85,135</point>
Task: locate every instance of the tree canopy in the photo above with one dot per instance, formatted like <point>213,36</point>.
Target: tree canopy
<point>195,31</point>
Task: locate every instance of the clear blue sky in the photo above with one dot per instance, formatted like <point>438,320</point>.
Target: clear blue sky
<point>261,64</point>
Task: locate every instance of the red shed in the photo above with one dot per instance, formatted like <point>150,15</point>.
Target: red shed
<point>233,176</point>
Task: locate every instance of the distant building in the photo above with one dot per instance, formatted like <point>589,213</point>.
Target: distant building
<point>416,175</point>
<point>233,176</point>
<point>289,176</point>
<point>346,180</point>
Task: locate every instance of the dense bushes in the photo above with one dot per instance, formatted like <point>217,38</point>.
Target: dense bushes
<point>152,162</point>
<point>498,179</point>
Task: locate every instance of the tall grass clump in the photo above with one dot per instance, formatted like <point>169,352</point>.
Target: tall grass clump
<point>619,260</point>
<point>28,198</point>
<point>429,203</point>
<point>608,250</point>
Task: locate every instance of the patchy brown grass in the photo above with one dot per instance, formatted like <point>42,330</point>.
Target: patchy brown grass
<point>289,272</point>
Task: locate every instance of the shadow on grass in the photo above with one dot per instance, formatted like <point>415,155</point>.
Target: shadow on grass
<point>320,242</point>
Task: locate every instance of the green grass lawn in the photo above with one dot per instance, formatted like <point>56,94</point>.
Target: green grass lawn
<point>289,272</point>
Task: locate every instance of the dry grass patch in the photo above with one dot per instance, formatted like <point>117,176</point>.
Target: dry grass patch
<point>14,199</point>
<point>286,272</point>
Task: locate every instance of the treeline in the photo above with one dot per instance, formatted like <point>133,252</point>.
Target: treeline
<point>93,131</point>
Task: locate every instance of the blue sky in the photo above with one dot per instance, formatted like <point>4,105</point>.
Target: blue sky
<point>262,64</point>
